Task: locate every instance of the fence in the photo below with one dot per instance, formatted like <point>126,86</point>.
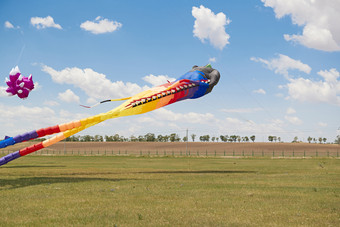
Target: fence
<point>189,153</point>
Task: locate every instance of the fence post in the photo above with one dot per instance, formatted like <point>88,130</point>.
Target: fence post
<point>224,153</point>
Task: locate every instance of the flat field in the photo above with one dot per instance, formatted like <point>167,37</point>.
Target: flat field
<point>42,190</point>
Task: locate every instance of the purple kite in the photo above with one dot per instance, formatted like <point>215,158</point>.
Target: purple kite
<point>18,84</point>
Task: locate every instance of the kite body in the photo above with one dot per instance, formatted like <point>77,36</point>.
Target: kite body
<point>18,84</point>
<point>194,84</point>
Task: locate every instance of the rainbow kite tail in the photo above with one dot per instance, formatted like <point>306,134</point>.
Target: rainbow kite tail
<point>66,130</point>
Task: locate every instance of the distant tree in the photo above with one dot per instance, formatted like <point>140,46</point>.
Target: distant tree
<point>275,138</point>
<point>324,140</point>
<point>337,140</point>
<point>141,139</point>
<point>116,138</point>
<point>150,137</point>
<point>314,139</point>
<point>205,138</point>
<point>246,139</point>
<point>193,136</point>
<point>217,139</point>
<point>224,138</point>
<point>270,138</point>
<point>309,139</point>
<point>233,138</point>
<point>279,139</point>
<point>252,138</point>
<point>295,139</point>
<point>213,138</point>
<point>98,138</point>
<point>320,139</point>
<point>86,138</point>
<point>174,137</point>
<point>185,139</point>
<point>133,139</point>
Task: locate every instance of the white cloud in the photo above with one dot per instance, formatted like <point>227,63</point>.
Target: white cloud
<point>293,120</point>
<point>212,59</point>
<point>319,19</point>
<point>242,110</point>
<point>51,103</point>
<point>68,96</point>
<point>283,63</point>
<point>237,126</point>
<point>290,110</point>
<point>210,26</point>
<point>44,22</point>
<point>94,84</point>
<point>100,26</point>
<point>8,24</point>
<point>322,124</point>
<point>326,90</point>
<point>3,92</point>
<point>260,91</point>
<point>157,80</point>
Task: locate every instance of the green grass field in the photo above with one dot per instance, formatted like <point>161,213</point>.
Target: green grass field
<point>169,191</point>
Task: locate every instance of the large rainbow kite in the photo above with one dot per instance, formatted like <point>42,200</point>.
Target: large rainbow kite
<point>194,84</point>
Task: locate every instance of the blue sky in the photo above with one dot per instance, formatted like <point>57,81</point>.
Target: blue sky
<point>279,65</point>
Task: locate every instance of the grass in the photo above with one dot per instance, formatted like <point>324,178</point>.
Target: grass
<point>168,191</point>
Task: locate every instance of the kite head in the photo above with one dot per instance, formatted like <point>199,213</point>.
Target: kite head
<point>199,81</point>
<point>204,76</point>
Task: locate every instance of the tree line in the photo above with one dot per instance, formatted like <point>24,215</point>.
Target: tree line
<point>151,137</point>
<point>174,137</point>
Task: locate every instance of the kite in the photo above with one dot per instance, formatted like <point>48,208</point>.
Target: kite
<point>196,83</point>
<point>18,84</point>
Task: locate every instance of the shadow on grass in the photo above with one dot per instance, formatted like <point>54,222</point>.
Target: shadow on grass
<point>201,171</point>
<point>31,166</point>
<point>9,184</point>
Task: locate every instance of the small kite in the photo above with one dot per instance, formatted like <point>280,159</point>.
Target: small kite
<point>18,84</point>
<point>194,84</point>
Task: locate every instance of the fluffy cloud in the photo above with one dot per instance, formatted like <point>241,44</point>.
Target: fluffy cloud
<point>326,90</point>
<point>157,80</point>
<point>94,84</point>
<point>163,117</point>
<point>260,91</point>
<point>100,26</point>
<point>290,110</point>
<point>283,63</point>
<point>8,24</point>
<point>293,120</point>
<point>242,110</point>
<point>210,26</point>
<point>44,22</point>
<point>3,92</point>
<point>212,59</point>
<point>68,96</point>
<point>319,19</point>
